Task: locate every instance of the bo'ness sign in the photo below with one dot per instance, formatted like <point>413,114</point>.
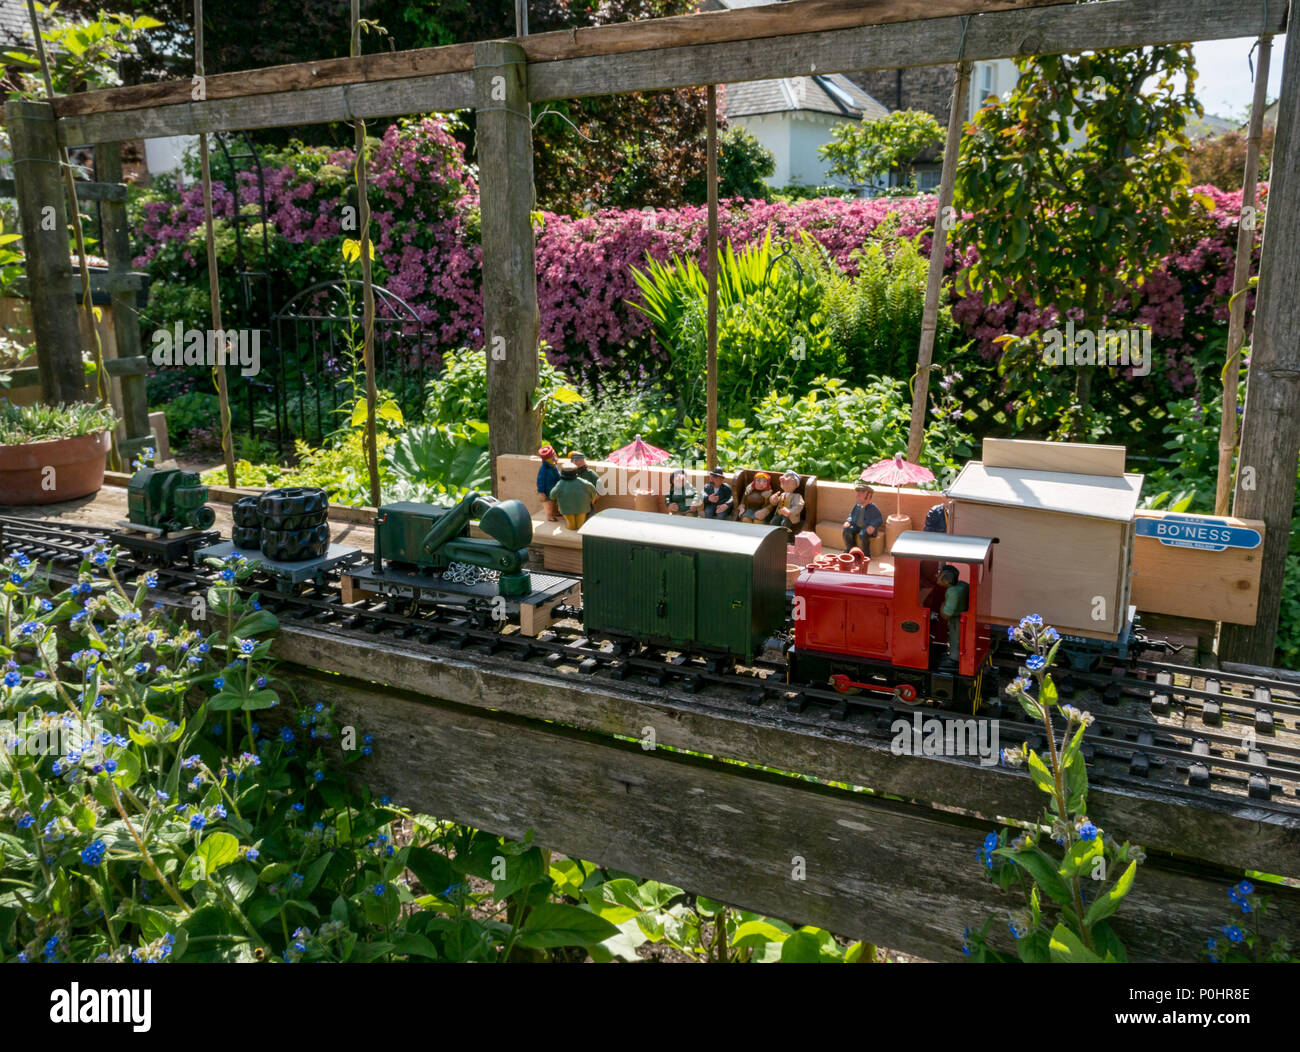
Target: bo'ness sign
<point>1197,531</point>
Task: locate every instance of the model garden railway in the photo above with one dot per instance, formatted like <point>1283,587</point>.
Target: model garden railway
<point>1129,748</point>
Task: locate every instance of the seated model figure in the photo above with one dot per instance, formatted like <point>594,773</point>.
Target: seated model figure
<point>574,496</point>
<point>755,504</point>
<point>680,494</point>
<point>864,521</point>
<point>787,504</point>
<point>716,501</point>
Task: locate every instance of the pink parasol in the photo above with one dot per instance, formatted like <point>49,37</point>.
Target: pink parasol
<point>897,472</point>
<point>640,453</point>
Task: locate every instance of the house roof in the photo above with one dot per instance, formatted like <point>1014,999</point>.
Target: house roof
<point>833,94</point>
<point>15,25</point>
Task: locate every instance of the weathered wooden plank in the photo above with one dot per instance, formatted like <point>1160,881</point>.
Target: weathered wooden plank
<point>1112,24</point>
<point>138,366</point>
<point>797,16</point>
<point>1229,833</point>
<point>86,191</point>
<point>442,92</point>
<point>133,398</point>
<point>995,34</point>
<point>1270,427</point>
<point>891,873</point>
<point>511,318</point>
<point>270,80</point>
<point>43,213</point>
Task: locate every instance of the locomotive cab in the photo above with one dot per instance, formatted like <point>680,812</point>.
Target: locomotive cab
<point>919,629</point>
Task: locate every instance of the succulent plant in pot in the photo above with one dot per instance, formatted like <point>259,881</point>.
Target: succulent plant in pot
<point>51,453</point>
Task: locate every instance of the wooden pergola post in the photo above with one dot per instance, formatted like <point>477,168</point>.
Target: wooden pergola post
<point>116,238</point>
<point>43,214</point>
<point>367,280</point>
<point>711,265</point>
<point>943,220</point>
<point>214,279</point>
<point>1270,431</point>
<point>1240,280</point>
<point>511,322</point>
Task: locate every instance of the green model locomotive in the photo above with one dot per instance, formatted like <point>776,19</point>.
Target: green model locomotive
<point>166,500</point>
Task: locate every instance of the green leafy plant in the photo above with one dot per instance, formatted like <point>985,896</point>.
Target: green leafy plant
<point>744,166</point>
<point>835,429</point>
<point>1249,945</point>
<point>1071,891</point>
<point>44,423</point>
<point>861,153</point>
<point>1076,182</point>
<point>435,463</point>
<point>147,814</point>
<point>1187,481</point>
<point>459,391</point>
<point>772,334</point>
<point>612,416</point>
<point>703,929</point>
<point>1046,398</point>
<point>83,53</point>
<point>874,319</point>
<point>11,262</point>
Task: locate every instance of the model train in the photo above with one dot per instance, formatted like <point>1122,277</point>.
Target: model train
<point>924,627</point>
<point>712,589</point>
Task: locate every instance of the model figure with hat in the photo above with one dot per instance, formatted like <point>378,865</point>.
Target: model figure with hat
<point>573,495</point>
<point>864,520</point>
<point>584,472</point>
<point>716,500</point>
<point>788,503</point>
<point>547,476</point>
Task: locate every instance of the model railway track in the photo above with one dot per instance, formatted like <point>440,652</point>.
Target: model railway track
<point>1124,748</point>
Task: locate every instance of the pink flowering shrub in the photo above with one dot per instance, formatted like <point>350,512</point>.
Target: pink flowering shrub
<point>425,206</point>
<point>423,201</point>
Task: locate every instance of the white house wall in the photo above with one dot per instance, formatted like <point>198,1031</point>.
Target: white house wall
<point>794,139</point>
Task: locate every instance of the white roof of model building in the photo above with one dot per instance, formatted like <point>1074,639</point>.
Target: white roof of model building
<point>1089,496</point>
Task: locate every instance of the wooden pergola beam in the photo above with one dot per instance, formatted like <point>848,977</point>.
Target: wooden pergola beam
<point>716,27</point>
<point>426,83</point>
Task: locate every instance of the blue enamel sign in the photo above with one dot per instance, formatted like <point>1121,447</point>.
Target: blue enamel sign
<point>1197,531</point>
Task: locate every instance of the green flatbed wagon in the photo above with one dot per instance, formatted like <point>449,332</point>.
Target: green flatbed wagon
<point>691,584</point>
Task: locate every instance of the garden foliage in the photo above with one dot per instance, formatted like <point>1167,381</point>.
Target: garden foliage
<point>164,797</point>
<point>1073,888</point>
<point>427,252</point>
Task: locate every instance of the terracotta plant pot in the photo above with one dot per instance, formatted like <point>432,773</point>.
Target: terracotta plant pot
<point>792,573</point>
<point>78,465</point>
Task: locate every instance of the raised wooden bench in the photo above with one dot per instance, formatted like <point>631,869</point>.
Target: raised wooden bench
<point>835,499</point>
<point>560,548</point>
<point>826,504</point>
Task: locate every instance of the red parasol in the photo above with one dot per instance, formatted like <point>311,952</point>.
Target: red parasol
<point>897,472</point>
<point>640,454</point>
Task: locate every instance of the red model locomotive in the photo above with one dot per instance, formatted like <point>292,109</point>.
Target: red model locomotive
<point>921,633</point>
